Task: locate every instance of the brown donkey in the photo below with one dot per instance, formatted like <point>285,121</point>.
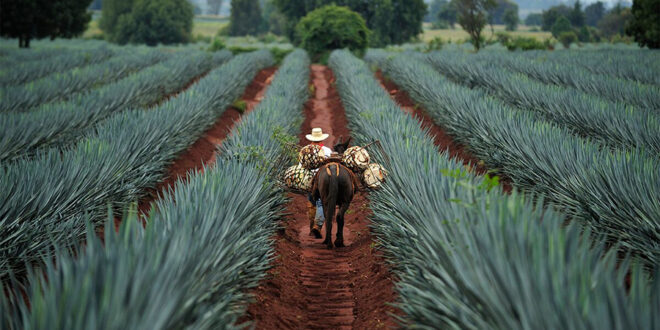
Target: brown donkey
<point>335,185</point>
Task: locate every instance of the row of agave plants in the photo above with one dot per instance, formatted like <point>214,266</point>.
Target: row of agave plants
<point>64,123</point>
<point>11,56</point>
<point>57,86</point>
<point>610,123</point>
<point>641,95</point>
<point>202,248</point>
<point>17,73</point>
<point>634,65</point>
<point>468,256</point>
<point>610,192</point>
<point>49,196</point>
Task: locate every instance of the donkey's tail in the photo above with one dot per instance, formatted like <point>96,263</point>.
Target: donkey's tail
<point>333,190</point>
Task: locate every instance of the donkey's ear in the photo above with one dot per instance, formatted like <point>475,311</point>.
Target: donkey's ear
<point>349,140</point>
<point>341,137</point>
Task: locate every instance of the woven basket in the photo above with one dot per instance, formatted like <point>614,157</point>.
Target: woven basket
<point>311,156</point>
<point>374,175</point>
<point>356,158</point>
<point>298,177</point>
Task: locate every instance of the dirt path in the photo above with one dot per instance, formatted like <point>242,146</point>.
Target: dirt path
<point>441,139</point>
<point>310,287</point>
<point>204,150</point>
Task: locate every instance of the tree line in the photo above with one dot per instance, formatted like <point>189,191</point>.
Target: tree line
<point>388,21</point>
<point>589,24</point>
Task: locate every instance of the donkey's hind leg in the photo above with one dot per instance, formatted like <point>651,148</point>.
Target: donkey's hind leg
<point>328,233</point>
<point>339,242</point>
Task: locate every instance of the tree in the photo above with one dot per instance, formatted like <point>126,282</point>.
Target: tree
<point>511,19</point>
<point>448,13</point>
<point>472,15</point>
<point>394,21</point>
<point>496,13</point>
<point>332,27</point>
<point>214,6</point>
<point>391,21</point>
<point>577,16</point>
<point>551,15</point>
<point>245,18</point>
<point>534,19</point>
<point>196,9</point>
<point>614,22</point>
<point>645,23</point>
<point>593,13</point>
<point>567,38</point>
<point>37,19</point>
<point>561,25</point>
<point>272,20</point>
<point>96,5</point>
<point>111,11</point>
<point>156,21</point>
<point>434,8</point>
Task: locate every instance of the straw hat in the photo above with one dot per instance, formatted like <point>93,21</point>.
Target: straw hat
<point>317,135</point>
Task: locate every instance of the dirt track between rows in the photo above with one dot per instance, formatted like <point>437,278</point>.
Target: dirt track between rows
<point>442,140</point>
<point>309,286</point>
<point>204,151</point>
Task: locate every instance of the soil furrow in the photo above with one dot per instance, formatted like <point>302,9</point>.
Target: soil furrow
<point>310,287</point>
<point>204,151</point>
<point>442,140</point>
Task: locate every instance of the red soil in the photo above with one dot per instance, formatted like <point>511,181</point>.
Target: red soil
<point>203,152</point>
<point>310,287</point>
<point>440,137</point>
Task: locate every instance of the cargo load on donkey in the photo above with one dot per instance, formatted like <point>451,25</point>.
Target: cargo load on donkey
<point>330,180</point>
<point>301,176</point>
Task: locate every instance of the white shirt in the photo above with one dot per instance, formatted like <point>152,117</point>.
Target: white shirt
<point>327,151</point>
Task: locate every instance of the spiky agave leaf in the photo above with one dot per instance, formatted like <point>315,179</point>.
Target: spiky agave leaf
<point>201,250</point>
<point>26,72</point>
<point>62,124</point>
<point>611,123</point>
<point>472,258</point>
<point>642,96</point>
<point>608,191</point>
<point>126,155</point>
<point>51,88</point>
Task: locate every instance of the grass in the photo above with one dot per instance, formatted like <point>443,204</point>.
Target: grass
<point>202,25</point>
<point>458,34</point>
<point>93,29</point>
<point>207,28</point>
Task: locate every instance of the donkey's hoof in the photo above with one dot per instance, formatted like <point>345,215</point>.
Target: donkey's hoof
<point>339,243</point>
<point>329,246</point>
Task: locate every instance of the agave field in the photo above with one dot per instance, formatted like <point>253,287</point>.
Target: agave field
<point>468,256</point>
<point>88,130</point>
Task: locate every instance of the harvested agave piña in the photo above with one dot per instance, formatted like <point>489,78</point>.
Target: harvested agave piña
<point>356,158</point>
<point>298,177</point>
<point>311,156</point>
